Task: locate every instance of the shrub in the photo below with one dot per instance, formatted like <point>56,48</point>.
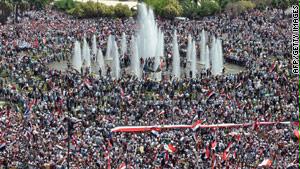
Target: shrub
<point>283,4</point>
<point>239,7</point>
<point>77,11</point>
<point>190,8</point>
<point>64,4</point>
<point>262,4</point>
<point>170,11</point>
<point>122,11</point>
<point>209,8</point>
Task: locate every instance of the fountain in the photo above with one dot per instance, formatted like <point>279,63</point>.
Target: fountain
<point>86,55</point>
<point>116,70</point>
<point>176,58</point>
<point>123,44</point>
<point>100,61</point>
<point>217,57</point>
<point>189,48</point>
<point>94,46</point>
<point>203,46</point>
<point>158,55</point>
<point>206,58</point>
<point>147,32</point>
<point>76,60</point>
<point>135,60</point>
<point>108,48</point>
<point>193,60</point>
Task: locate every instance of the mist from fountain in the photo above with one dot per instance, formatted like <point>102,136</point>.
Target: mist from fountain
<point>203,55</point>
<point>159,54</point>
<point>76,59</point>
<point>217,57</point>
<point>108,47</point>
<point>135,60</point>
<point>123,44</point>
<point>207,58</point>
<point>116,69</point>
<point>193,60</point>
<point>94,46</point>
<point>86,54</point>
<point>176,58</point>
<point>100,62</point>
<point>147,32</point>
<point>189,48</point>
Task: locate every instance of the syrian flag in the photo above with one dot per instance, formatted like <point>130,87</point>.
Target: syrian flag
<point>196,125</point>
<point>238,85</point>
<point>122,166</point>
<point>28,109</point>
<point>226,152</point>
<point>296,133</point>
<point>2,146</point>
<point>273,67</point>
<point>36,43</point>
<point>266,163</point>
<point>155,133</point>
<point>209,95</point>
<point>162,112</point>
<point>170,148</point>
<point>107,157</point>
<point>87,83</point>
<point>214,145</point>
<point>207,152</point>
<point>122,92</point>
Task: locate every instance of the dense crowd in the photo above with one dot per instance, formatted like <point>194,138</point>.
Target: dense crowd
<point>47,108</point>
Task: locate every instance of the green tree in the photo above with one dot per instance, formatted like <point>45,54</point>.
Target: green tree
<point>189,8</point>
<point>209,7</point>
<point>122,11</point>
<point>239,7</point>
<point>6,8</point>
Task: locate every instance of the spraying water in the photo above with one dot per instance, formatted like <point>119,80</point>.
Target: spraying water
<point>159,54</point>
<point>203,46</point>
<point>194,60</point>
<point>94,46</point>
<point>217,57</point>
<point>123,44</point>
<point>135,60</point>
<point>109,46</point>
<point>189,48</point>
<point>176,58</point>
<point>147,32</point>
<point>206,56</point>
<point>86,54</point>
<point>76,60</point>
<point>100,61</point>
<point>116,61</point>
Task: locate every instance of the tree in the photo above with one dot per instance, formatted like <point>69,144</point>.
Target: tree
<point>122,11</point>
<point>209,7</point>
<point>239,7</point>
<point>170,11</point>
<point>6,8</point>
<point>190,8</point>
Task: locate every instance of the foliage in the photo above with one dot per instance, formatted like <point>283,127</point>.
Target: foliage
<point>209,7</point>
<point>190,8</point>
<point>262,4</point>
<point>165,8</point>
<point>6,8</point>
<point>122,11</point>
<point>239,7</point>
<point>283,4</point>
<point>64,4</point>
<point>39,4</point>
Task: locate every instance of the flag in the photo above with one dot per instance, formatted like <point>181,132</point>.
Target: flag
<point>122,166</point>
<point>207,152</point>
<point>162,112</point>
<point>122,93</point>
<point>28,109</point>
<point>238,85</point>
<point>2,146</point>
<point>296,133</point>
<point>107,157</point>
<point>273,67</point>
<point>170,148</point>
<point>196,125</point>
<point>87,83</point>
<point>36,43</point>
<point>226,152</point>
<point>210,94</point>
<point>214,145</point>
<point>155,133</point>
<point>266,163</point>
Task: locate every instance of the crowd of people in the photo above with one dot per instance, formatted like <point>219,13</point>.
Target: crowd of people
<point>48,113</point>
